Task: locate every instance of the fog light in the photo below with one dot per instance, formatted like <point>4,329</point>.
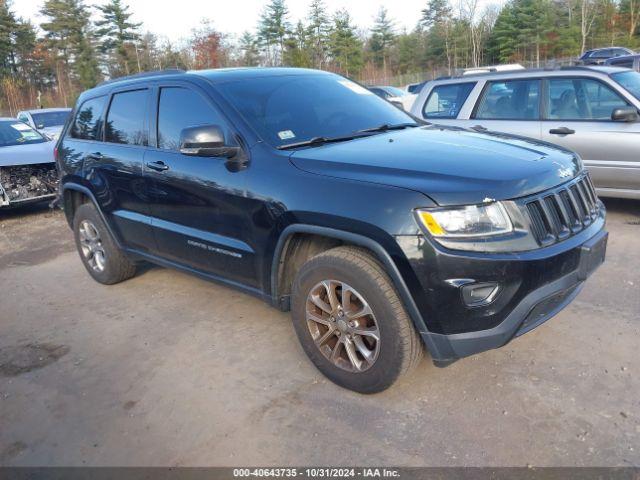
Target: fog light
<point>478,294</point>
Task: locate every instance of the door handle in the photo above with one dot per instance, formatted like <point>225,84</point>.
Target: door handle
<point>562,131</point>
<point>479,128</point>
<point>158,166</point>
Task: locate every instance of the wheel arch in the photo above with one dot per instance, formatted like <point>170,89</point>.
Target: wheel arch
<point>334,237</point>
<point>74,195</point>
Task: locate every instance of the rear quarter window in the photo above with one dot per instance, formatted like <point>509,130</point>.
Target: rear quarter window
<point>446,101</point>
<point>87,123</point>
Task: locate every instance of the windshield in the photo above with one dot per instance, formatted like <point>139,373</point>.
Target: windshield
<point>630,81</point>
<point>292,109</point>
<point>50,119</point>
<point>17,133</point>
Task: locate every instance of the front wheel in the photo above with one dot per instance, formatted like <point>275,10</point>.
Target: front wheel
<point>351,322</point>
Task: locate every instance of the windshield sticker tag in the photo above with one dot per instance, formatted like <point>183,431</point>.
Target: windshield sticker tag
<point>354,87</point>
<point>21,127</point>
<point>286,135</point>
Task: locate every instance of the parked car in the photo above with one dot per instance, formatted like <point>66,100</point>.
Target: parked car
<point>27,169</point>
<point>391,94</point>
<point>626,61</point>
<point>599,55</point>
<point>590,110</point>
<point>48,121</point>
<point>379,234</point>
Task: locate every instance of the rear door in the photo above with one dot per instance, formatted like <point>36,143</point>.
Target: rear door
<point>577,115</point>
<point>113,161</point>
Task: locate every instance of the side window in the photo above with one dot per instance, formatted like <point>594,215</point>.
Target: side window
<point>180,108</point>
<point>627,63</point>
<point>510,100</point>
<point>603,54</point>
<point>581,99</point>
<point>125,119</point>
<point>446,101</point>
<point>87,122</point>
<point>23,118</point>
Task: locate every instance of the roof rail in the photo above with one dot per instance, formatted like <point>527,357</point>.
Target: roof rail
<point>155,73</point>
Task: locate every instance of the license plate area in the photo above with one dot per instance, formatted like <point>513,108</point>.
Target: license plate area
<point>592,255</point>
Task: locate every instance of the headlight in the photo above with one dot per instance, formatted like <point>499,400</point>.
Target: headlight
<point>467,221</point>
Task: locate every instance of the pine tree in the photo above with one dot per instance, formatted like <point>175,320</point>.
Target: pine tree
<point>382,38</point>
<point>345,46</point>
<point>319,31</point>
<point>68,34</point>
<point>115,31</point>
<point>249,49</point>
<point>8,25</point>
<point>273,29</point>
<point>297,52</point>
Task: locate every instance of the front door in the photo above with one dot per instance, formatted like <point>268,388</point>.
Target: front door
<point>578,117</point>
<point>198,204</point>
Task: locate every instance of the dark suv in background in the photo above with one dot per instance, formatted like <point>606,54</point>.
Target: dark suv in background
<point>307,190</point>
<point>598,56</point>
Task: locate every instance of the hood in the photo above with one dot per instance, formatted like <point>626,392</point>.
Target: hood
<point>52,132</point>
<point>450,165</point>
<point>27,154</point>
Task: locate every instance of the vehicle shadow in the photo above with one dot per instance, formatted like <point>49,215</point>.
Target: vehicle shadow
<point>622,206</point>
<point>26,211</point>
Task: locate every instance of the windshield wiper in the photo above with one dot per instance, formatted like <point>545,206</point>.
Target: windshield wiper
<point>317,141</point>
<point>386,127</point>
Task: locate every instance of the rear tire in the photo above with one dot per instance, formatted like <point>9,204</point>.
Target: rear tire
<point>362,363</point>
<point>102,258</point>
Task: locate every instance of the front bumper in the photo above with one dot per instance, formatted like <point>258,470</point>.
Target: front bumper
<point>535,286</point>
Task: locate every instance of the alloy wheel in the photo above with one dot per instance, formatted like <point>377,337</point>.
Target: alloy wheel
<point>343,326</point>
<point>91,245</point>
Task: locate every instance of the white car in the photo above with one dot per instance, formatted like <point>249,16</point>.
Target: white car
<point>49,121</point>
<point>394,95</point>
<point>28,171</point>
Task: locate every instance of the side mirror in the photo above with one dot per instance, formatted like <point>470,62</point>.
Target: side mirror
<point>205,141</point>
<point>626,114</point>
<point>40,126</point>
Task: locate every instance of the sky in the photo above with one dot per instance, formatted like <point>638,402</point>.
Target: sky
<point>175,19</point>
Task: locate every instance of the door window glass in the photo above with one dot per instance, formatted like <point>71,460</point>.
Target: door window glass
<point>125,120</point>
<point>180,108</point>
<point>510,100</point>
<point>87,124</point>
<point>446,101</point>
<point>581,99</point>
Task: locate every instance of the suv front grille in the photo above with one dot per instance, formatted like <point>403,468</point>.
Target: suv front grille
<point>563,212</point>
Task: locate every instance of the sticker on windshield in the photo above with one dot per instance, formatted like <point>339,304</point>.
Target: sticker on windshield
<point>354,87</point>
<point>286,135</point>
<point>21,127</point>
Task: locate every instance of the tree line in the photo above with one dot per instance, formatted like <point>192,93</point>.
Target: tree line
<point>77,45</point>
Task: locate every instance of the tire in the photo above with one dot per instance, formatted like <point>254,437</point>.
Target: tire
<point>104,261</point>
<point>351,269</point>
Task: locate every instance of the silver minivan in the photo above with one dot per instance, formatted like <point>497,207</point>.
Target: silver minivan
<point>593,111</point>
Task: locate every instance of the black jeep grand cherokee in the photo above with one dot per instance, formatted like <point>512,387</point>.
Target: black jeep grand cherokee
<point>310,192</point>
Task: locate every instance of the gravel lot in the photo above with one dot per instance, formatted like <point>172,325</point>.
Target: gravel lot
<point>167,369</point>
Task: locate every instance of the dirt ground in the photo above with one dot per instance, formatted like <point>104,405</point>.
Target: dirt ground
<point>167,369</point>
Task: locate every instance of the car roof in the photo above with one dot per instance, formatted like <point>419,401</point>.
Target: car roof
<point>46,110</point>
<point>597,69</point>
<point>216,76</point>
